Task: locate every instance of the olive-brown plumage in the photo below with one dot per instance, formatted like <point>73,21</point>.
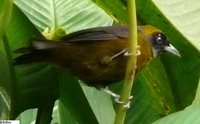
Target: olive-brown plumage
<point>97,55</point>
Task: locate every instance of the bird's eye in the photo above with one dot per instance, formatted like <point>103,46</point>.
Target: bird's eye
<point>159,39</point>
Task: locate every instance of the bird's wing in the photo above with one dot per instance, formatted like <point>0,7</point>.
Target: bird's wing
<point>97,34</point>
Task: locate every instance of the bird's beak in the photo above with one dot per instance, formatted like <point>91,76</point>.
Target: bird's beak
<point>172,49</point>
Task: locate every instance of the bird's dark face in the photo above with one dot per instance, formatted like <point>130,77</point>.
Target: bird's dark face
<point>160,43</point>
<point>157,39</point>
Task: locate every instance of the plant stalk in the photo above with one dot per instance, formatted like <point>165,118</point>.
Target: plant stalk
<point>131,64</point>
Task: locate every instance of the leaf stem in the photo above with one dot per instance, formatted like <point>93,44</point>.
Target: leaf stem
<point>131,64</point>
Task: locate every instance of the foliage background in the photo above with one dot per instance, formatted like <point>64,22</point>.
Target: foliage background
<point>167,85</point>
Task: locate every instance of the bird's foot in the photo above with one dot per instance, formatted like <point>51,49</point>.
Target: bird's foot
<point>109,92</point>
<point>129,54</point>
<point>138,51</point>
<point>125,53</point>
<point>126,104</point>
<point>116,97</point>
<point>118,54</point>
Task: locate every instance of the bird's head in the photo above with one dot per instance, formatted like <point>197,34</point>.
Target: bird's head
<point>158,40</point>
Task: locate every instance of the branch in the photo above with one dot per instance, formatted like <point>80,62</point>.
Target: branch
<point>131,64</point>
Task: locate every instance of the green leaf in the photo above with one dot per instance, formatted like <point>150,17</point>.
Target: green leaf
<point>176,68</point>
<point>72,96</point>
<point>65,115</point>
<point>190,115</point>
<point>4,72</point>
<point>28,116</point>
<point>160,89</point>
<point>152,95</point>
<point>183,16</point>
<point>65,14</point>
<point>4,104</point>
<point>5,14</point>
<point>176,80</point>
<point>197,96</point>
<point>117,9</point>
<point>33,80</point>
<point>4,21</point>
<point>85,103</point>
<point>101,104</point>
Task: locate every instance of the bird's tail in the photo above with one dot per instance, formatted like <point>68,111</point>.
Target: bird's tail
<point>38,51</point>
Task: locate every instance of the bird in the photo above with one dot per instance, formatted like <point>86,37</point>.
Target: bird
<point>97,56</point>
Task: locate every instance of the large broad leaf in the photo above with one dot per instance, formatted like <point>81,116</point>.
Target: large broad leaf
<point>4,72</point>
<point>117,9</point>
<point>183,86</point>
<point>184,35</point>
<point>73,98</point>
<point>183,73</point>
<point>70,15</point>
<point>34,80</point>
<point>159,89</point>
<point>101,104</point>
<point>4,104</point>
<point>152,95</point>
<point>28,86</point>
<point>190,115</point>
<point>183,15</point>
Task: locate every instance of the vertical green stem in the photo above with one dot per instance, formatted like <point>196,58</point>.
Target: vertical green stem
<point>131,65</point>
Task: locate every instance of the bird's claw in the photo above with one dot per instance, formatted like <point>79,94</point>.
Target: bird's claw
<point>129,54</point>
<point>138,52</point>
<point>117,98</point>
<point>126,104</point>
<point>111,93</point>
<point>125,53</point>
<point>118,54</point>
